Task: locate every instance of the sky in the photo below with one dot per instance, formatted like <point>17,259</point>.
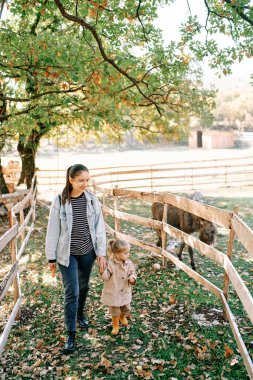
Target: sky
<point>169,21</point>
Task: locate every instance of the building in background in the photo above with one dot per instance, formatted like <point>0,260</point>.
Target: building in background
<point>211,139</point>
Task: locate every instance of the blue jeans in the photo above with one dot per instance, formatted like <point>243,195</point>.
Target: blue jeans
<point>75,280</point>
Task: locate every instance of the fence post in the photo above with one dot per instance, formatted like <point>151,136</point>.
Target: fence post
<point>229,255</point>
<point>163,233</point>
<point>116,208</point>
<point>16,286</point>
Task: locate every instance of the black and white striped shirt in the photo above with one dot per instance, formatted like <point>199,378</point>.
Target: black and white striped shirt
<point>81,242</point>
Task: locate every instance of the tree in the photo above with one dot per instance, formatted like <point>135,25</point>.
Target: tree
<point>52,79</point>
<point>97,62</point>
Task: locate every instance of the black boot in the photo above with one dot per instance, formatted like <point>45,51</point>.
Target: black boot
<point>83,323</point>
<point>69,345</point>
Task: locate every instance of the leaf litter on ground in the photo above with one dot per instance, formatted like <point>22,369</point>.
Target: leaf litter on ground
<point>165,338</point>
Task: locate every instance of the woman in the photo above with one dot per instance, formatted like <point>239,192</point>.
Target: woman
<point>75,238</point>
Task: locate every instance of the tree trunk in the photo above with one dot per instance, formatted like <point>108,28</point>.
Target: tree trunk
<point>27,155</point>
<point>3,187</point>
<point>27,150</point>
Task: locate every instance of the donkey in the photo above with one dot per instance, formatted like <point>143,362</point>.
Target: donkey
<point>187,223</point>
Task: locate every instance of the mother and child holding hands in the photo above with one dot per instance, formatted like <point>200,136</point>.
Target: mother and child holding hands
<point>75,238</point>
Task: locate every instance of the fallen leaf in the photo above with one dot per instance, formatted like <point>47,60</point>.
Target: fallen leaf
<point>228,351</point>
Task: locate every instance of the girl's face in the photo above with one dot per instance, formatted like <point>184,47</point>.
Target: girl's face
<point>122,256</point>
<point>80,182</point>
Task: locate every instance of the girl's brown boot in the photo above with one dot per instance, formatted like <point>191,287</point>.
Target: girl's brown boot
<point>115,325</point>
<point>123,320</point>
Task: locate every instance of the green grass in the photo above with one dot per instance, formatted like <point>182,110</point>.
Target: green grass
<point>164,340</point>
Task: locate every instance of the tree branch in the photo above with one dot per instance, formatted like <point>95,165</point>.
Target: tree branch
<point>138,16</point>
<point>2,97</point>
<point>87,26</point>
<point>27,110</point>
<point>239,10</point>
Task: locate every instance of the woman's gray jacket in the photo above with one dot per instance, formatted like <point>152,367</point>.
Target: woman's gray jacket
<point>60,226</point>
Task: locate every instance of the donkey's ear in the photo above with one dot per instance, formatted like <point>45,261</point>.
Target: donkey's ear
<point>201,221</point>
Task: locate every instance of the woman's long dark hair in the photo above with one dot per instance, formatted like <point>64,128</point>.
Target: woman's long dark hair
<point>72,171</point>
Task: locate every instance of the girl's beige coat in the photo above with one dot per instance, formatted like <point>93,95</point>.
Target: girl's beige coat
<point>117,291</point>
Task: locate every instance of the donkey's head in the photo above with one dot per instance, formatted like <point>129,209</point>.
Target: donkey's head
<point>207,232</point>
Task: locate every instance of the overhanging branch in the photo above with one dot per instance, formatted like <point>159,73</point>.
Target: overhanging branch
<point>106,58</point>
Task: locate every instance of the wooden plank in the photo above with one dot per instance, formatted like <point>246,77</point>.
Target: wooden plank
<point>240,343</point>
<point>184,163</point>
<point>195,275</point>
<point>208,176</point>
<point>177,186</point>
<point>240,288</point>
<point>204,249</point>
<point>16,285</point>
<point>22,204</point>
<point>8,326</point>
<point>147,222</point>
<point>116,208</point>
<point>8,279</point>
<point>21,216</point>
<point>229,255</point>
<point>8,236</point>
<point>211,213</point>
<point>178,168</point>
<point>12,196</point>
<point>163,232</point>
<point>243,232</point>
<point>25,222</point>
<point>23,245</point>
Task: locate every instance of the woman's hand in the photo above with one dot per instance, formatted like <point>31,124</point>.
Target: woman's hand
<point>102,263</point>
<point>52,267</point>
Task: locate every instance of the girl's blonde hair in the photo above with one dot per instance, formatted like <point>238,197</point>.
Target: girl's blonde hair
<point>116,246</point>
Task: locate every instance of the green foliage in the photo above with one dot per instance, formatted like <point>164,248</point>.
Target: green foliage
<point>97,63</point>
<point>230,21</point>
<point>95,70</point>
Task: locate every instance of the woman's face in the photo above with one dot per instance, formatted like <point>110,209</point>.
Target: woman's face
<point>80,182</point>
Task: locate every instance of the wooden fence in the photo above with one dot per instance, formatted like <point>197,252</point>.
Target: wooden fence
<point>17,237</point>
<point>229,220</point>
<point>172,176</point>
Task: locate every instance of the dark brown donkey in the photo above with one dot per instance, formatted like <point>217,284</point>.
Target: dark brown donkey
<point>185,222</point>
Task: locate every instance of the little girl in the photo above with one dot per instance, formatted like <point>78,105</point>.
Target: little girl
<point>118,277</point>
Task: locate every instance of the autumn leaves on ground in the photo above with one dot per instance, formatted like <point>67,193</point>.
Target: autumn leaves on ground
<point>177,331</point>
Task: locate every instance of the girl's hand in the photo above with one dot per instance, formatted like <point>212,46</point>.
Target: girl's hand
<point>131,280</point>
<point>52,267</point>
